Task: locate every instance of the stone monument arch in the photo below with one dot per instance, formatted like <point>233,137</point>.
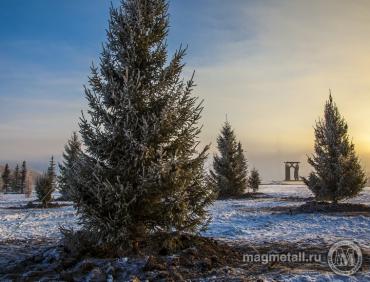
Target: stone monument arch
<point>288,166</point>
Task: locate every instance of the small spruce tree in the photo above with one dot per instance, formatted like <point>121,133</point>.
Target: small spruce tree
<point>141,172</point>
<point>254,180</point>
<point>72,152</point>
<point>6,177</point>
<point>337,171</point>
<point>44,189</point>
<point>23,178</point>
<point>45,185</point>
<point>230,170</point>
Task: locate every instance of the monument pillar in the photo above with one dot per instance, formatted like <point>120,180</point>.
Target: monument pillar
<point>288,166</point>
<point>296,172</point>
<point>287,172</point>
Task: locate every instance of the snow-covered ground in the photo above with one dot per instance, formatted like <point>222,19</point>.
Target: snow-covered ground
<point>232,219</point>
<point>32,223</point>
<point>250,220</point>
<point>247,220</point>
<point>283,191</point>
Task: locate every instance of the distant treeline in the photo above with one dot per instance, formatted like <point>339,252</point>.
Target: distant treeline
<point>16,180</point>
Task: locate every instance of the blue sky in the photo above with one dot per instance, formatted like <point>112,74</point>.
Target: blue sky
<point>46,48</point>
<point>268,65</point>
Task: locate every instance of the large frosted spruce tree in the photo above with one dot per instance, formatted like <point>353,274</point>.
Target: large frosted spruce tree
<point>230,169</point>
<point>141,171</point>
<point>337,172</point>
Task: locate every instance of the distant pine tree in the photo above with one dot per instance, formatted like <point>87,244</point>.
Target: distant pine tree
<point>72,153</point>
<point>23,177</point>
<point>16,180</point>
<point>230,170</point>
<point>142,172</point>
<point>51,172</point>
<point>254,180</point>
<point>6,177</point>
<point>337,172</point>
<point>45,184</point>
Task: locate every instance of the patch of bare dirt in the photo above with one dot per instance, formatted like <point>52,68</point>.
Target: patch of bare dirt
<point>331,208</point>
<point>247,196</point>
<point>33,205</point>
<point>343,209</point>
<point>295,199</point>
